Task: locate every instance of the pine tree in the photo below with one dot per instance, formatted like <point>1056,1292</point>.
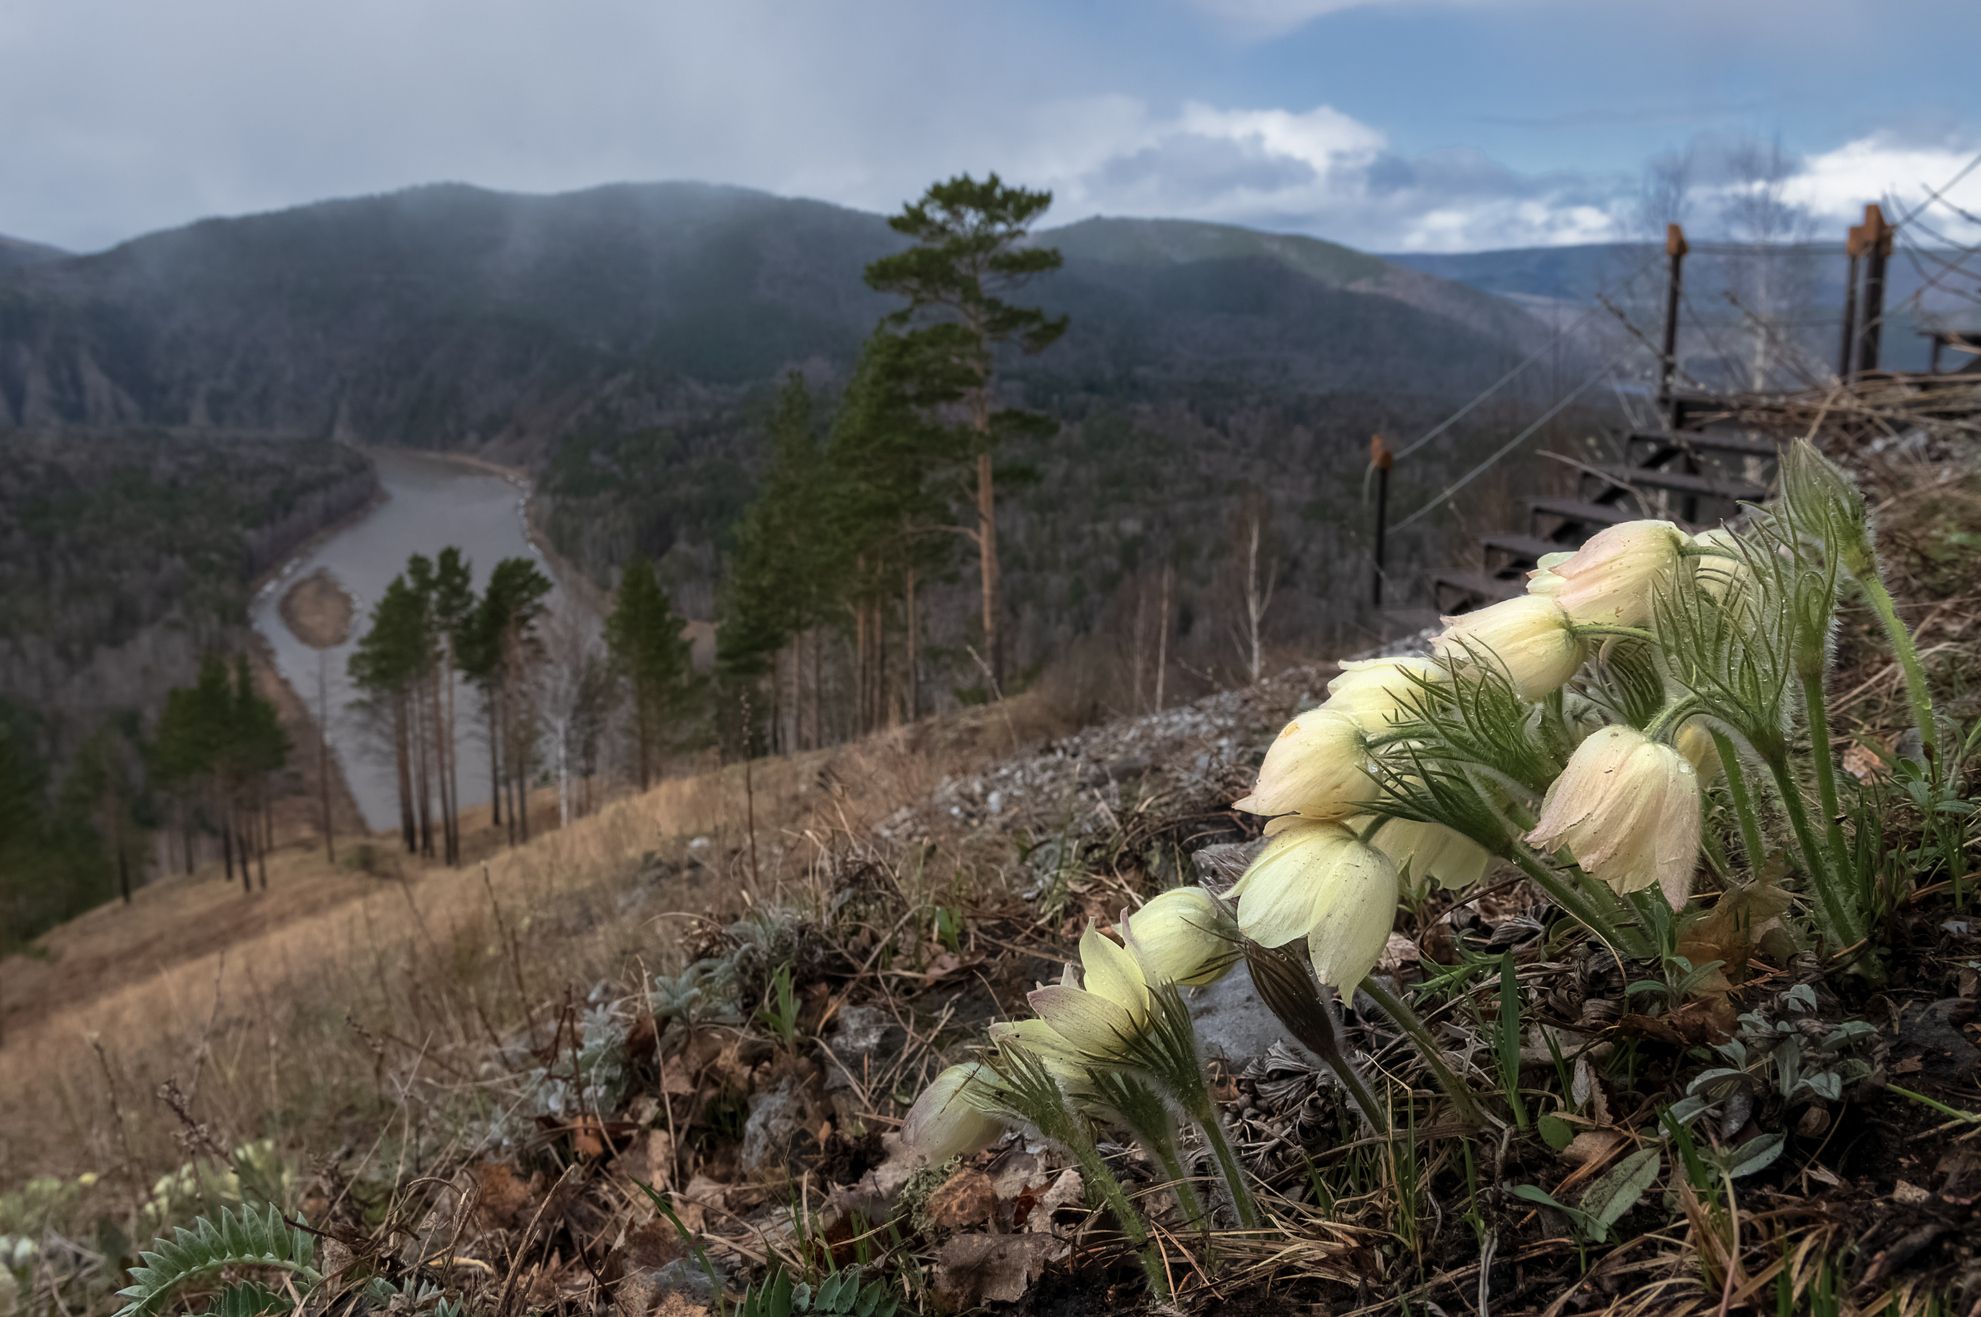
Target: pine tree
<point>651,655</point>
<point>453,605</point>
<point>970,250</point>
<point>499,646</point>
<point>784,569</point>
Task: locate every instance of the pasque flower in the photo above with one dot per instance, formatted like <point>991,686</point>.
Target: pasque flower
<point>1544,580</point>
<point>1376,692</point>
<point>1431,850</point>
<point>1314,769</point>
<point>947,1120</point>
<point>1612,579</point>
<point>1321,882</point>
<point>1102,1009</point>
<point>1627,808</point>
<point>1184,935</point>
<point>1721,574</point>
<point>1529,638</point>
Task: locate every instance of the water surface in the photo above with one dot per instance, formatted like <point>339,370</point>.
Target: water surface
<point>429,504</point>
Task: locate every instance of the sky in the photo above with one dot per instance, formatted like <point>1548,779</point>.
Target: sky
<point>1391,125</point>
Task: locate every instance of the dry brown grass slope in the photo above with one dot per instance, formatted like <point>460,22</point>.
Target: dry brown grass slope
<point>276,1013</point>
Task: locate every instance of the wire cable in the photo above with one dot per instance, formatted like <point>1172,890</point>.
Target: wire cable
<point>1601,373</point>
<point>1547,349</point>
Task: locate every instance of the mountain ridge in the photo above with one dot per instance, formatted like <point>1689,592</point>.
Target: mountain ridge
<point>457,316</point>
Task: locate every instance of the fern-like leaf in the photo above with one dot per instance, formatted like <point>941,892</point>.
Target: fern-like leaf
<point>249,1299</point>
<point>250,1237</point>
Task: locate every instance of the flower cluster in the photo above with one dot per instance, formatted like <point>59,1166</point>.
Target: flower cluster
<point>1111,1042</point>
<point>1347,784</point>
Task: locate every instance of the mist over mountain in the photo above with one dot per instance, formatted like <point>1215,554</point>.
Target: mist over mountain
<point>450,316</point>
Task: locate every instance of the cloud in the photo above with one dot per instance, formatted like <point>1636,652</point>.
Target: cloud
<point>1834,185</point>
<point>1323,172</point>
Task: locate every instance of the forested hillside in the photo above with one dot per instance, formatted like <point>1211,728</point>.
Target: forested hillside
<point>123,559</point>
<point>448,316</point>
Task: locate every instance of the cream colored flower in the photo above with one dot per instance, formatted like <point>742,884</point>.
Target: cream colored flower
<point>1720,575</point>
<point>1314,769</point>
<point>1102,1010</point>
<point>1184,935</point>
<point>1544,580</point>
<point>1321,882</point>
<point>1431,850</point>
<point>1529,638</point>
<point>1611,579</point>
<point>1695,741</point>
<point>945,1121</point>
<point>1627,808</point>
<point>1374,691</point>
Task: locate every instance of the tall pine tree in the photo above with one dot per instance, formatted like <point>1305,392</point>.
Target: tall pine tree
<point>970,252</point>
<point>651,656</point>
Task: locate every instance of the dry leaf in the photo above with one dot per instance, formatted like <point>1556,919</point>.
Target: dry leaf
<point>964,1199</point>
<point>975,1269</point>
<point>660,1158</point>
<point>1068,1190</point>
<point>1591,1146</point>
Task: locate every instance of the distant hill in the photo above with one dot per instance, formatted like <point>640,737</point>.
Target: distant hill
<point>1922,287</point>
<point>452,316</point>
<point>18,252</point>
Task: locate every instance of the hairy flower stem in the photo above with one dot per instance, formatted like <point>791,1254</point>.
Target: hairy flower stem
<point>1188,1200</point>
<point>1818,714</point>
<point>1835,912</point>
<point>1288,988</point>
<point>1881,603</point>
<point>1147,1117</point>
<point>1103,1182</point>
<point>1743,800</point>
<point>1243,1206</point>
<point>1584,909</point>
<point>1412,1026</point>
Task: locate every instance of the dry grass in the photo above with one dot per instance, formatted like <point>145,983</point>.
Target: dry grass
<point>277,1012</point>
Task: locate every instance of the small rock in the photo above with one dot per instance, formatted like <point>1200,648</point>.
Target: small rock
<point>1231,1020</point>
<point>778,1123</point>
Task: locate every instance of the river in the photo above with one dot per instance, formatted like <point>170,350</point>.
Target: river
<point>429,504</point>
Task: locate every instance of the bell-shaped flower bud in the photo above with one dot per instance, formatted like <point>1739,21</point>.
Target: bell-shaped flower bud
<point>1627,808</point>
<point>1315,769</point>
<point>1431,850</point>
<point>1375,692</point>
<point>1321,882</point>
<point>1102,1012</point>
<point>1529,639</point>
<point>1184,935</point>
<point>1544,580</point>
<point>947,1120</point>
<point>1694,740</point>
<point>1612,580</point>
<point>1722,574</point>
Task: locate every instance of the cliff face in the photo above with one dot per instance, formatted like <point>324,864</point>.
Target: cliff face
<point>453,317</point>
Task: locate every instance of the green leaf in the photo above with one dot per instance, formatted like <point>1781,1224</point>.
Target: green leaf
<point>1757,1154</point>
<point>1618,1190</point>
<point>1555,1132</point>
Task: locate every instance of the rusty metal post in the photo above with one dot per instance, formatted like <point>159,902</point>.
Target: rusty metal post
<point>1675,249</point>
<point>1877,250</point>
<point>1380,462</point>
<point>1854,248</point>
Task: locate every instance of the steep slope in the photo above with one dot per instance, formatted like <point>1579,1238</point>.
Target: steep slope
<point>452,316</point>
